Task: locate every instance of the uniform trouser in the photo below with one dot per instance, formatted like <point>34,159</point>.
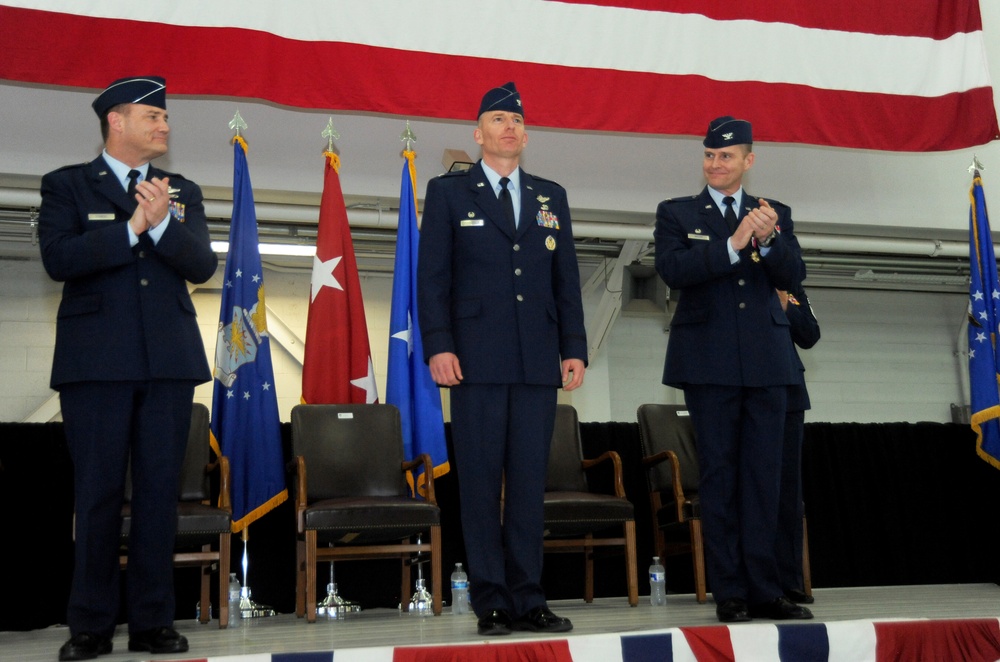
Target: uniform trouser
<point>739,438</point>
<point>502,433</point>
<point>108,425</point>
<point>790,509</point>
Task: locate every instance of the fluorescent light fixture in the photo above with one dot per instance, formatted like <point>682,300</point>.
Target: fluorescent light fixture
<point>297,250</point>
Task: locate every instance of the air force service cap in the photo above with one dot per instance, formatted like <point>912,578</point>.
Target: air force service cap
<point>148,90</point>
<point>505,97</point>
<point>725,131</point>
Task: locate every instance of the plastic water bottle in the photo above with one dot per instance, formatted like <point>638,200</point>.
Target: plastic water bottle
<point>197,611</point>
<point>459,591</point>
<point>234,601</point>
<point>657,583</point>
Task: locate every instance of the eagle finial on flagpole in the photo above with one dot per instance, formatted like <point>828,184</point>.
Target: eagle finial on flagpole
<point>976,166</point>
<point>408,138</point>
<point>330,134</point>
<point>237,124</point>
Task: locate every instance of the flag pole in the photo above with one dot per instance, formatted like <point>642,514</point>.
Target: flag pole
<point>245,423</point>
<point>333,606</point>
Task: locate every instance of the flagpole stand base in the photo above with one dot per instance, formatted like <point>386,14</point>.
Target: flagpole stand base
<point>335,607</point>
<point>250,609</point>
<point>422,602</point>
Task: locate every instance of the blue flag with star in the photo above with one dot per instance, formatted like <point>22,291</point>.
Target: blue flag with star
<point>245,424</point>
<point>409,385</point>
<point>984,314</point>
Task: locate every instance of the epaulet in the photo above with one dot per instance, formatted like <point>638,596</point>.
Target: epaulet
<point>776,203</point>
<point>174,175</point>
<point>686,198</point>
<point>72,166</point>
<point>454,173</point>
<point>547,181</point>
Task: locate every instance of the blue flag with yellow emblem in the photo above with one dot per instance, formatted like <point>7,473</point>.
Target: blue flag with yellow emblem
<point>409,385</point>
<point>245,424</point>
<point>984,315</point>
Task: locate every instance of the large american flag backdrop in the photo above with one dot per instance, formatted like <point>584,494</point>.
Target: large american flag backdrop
<point>901,76</point>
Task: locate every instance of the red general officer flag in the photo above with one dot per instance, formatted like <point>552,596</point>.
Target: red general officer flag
<point>338,365</point>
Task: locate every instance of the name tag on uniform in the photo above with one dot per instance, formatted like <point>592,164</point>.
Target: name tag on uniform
<point>472,223</point>
<point>703,237</point>
<point>100,217</point>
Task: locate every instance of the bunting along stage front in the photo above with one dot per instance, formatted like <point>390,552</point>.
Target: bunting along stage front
<point>409,385</point>
<point>338,367</point>
<point>885,76</point>
<point>984,317</point>
<point>245,423</point>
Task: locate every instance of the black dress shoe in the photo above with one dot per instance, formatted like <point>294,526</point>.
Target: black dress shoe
<point>780,609</point>
<point>540,619</point>
<point>495,622</point>
<point>85,646</point>
<point>158,641</point>
<point>733,610</point>
<point>799,597</point>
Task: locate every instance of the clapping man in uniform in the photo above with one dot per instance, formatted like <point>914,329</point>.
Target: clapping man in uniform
<point>125,238</point>
<point>725,253</point>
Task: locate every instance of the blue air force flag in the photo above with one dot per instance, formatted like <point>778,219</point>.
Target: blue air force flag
<point>984,315</point>
<point>245,424</point>
<point>409,385</point>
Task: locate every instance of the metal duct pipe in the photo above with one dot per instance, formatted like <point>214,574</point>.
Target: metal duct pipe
<point>375,218</point>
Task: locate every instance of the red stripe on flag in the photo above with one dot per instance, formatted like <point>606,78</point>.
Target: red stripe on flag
<point>350,77</point>
<point>542,651</point>
<point>971,640</point>
<point>911,19</point>
<point>710,644</point>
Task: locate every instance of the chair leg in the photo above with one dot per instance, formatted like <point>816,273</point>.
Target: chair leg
<point>631,566</point>
<point>698,558</point>
<point>404,583</point>
<point>588,563</point>
<point>225,541</point>
<point>807,585</point>
<point>436,578</point>
<point>205,572</point>
<point>300,578</point>
<point>310,576</point>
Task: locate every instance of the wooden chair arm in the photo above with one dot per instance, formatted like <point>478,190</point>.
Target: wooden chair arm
<point>425,460</point>
<point>616,461</point>
<point>675,477</point>
<point>651,461</point>
<point>225,499</point>
<point>298,465</point>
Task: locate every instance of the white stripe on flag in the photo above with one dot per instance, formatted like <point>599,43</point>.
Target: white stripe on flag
<point>851,641</point>
<point>595,647</point>
<point>754,642</point>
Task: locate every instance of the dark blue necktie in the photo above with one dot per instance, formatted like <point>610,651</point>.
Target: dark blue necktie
<point>133,179</point>
<point>730,214</point>
<point>508,203</point>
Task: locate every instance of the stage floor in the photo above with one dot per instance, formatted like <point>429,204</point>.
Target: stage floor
<point>384,629</point>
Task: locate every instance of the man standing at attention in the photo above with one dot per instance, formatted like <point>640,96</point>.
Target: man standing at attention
<point>124,238</point>
<point>502,321</point>
<point>726,253</point>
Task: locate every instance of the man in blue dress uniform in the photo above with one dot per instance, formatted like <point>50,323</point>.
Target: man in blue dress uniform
<point>125,237</point>
<point>805,333</point>
<point>502,322</point>
<point>725,253</point>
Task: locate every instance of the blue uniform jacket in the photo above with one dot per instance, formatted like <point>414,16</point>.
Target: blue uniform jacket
<point>728,327</point>
<point>508,306</point>
<point>805,334</point>
<point>125,313</point>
